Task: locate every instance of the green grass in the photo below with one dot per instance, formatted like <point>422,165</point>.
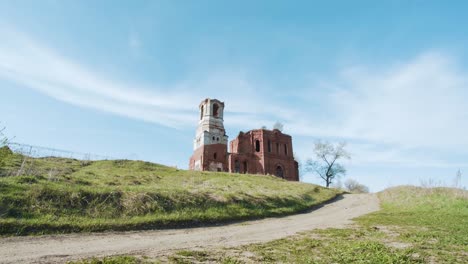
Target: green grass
<point>114,260</point>
<point>415,225</point>
<point>57,195</point>
<point>432,221</point>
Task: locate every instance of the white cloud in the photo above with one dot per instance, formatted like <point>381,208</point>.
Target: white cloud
<point>418,104</point>
<point>31,64</point>
<point>421,103</point>
<point>378,154</point>
<point>25,61</point>
<point>407,114</point>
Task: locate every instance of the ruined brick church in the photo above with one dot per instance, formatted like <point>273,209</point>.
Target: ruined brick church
<point>258,151</point>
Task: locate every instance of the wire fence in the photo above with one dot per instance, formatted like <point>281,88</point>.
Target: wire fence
<point>29,167</point>
<point>42,152</point>
<point>28,164</point>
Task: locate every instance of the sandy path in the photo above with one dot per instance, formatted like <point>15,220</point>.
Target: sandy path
<point>61,248</point>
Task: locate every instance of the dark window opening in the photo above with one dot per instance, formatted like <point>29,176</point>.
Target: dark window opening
<point>269,146</point>
<point>215,110</point>
<point>286,149</point>
<point>257,145</point>
<point>277,148</point>
<point>219,169</point>
<point>214,155</point>
<point>279,171</point>
<point>245,167</point>
<point>213,138</point>
<point>201,112</point>
<point>236,166</point>
<point>217,139</point>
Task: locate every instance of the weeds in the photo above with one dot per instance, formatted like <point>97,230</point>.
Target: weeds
<point>58,195</point>
<point>113,260</point>
<point>415,225</point>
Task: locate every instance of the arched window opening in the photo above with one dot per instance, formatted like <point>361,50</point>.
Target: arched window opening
<point>217,139</point>
<point>215,110</point>
<point>236,166</point>
<point>213,138</point>
<point>286,149</point>
<point>269,146</point>
<point>279,171</point>
<point>245,167</point>
<point>257,145</point>
<point>201,112</point>
<point>214,155</point>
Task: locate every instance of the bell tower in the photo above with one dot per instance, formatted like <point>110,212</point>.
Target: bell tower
<point>210,143</point>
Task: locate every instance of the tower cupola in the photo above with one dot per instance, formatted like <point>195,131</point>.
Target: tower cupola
<point>210,143</point>
<point>210,128</point>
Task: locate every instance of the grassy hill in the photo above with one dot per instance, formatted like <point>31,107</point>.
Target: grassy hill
<point>57,195</point>
<point>415,225</point>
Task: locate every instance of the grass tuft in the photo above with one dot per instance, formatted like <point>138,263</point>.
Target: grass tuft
<point>112,260</point>
<point>415,225</point>
<point>58,195</point>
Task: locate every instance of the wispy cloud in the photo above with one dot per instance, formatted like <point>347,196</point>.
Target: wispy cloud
<point>421,103</point>
<point>32,64</point>
<point>408,114</point>
<point>417,104</point>
<point>365,154</point>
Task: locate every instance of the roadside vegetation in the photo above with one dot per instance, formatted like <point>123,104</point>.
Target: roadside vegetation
<point>350,186</point>
<point>415,225</point>
<point>58,195</point>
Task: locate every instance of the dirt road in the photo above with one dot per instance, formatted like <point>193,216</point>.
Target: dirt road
<point>61,248</point>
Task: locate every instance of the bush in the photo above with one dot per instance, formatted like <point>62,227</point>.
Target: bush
<point>4,149</point>
<point>353,186</point>
<point>4,153</point>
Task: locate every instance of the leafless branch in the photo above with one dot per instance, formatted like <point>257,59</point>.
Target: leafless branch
<point>326,165</point>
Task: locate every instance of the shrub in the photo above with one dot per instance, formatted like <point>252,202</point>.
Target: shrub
<point>353,186</point>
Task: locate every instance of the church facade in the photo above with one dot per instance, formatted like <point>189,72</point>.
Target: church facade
<point>258,151</point>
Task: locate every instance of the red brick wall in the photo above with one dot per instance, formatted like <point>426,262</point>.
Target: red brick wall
<point>206,155</point>
<point>266,160</point>
<point>243,149</point>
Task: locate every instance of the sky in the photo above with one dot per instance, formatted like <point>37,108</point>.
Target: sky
<point>124,79</point>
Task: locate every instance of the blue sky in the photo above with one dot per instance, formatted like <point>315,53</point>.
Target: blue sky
<point>125,79</point>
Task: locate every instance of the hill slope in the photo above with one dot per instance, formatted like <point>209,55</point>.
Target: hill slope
<point>415,225</point>
<point>50,195</point>
<point>63,248</point>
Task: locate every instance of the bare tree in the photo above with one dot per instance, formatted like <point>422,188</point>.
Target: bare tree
<point>353,186</point>
<point>279,126</point>
<point>4,150</point>
<point>457,180</point>
<point>325,164</point>
<point>3,138</point>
